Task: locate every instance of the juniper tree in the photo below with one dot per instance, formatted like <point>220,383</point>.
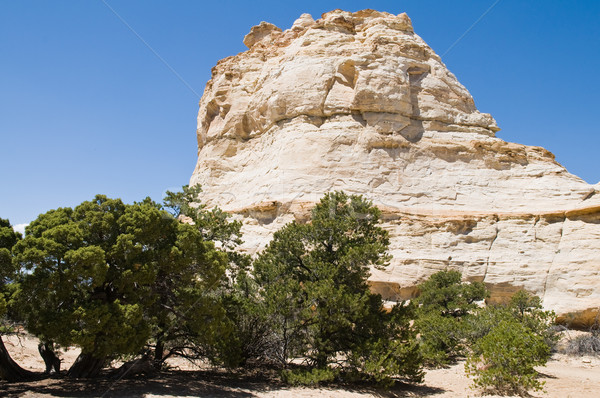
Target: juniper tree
<point>443,305</point>
<point>9,369</point>
<point>235,293</point>
<point>312,282</point>
<point>112,278</point>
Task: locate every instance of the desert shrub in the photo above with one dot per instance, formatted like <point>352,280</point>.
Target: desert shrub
<point>253,341</point>
<point>507,342</point>
<point>588,344</point>
<point>445,303</point>
<point>391,351</point>
<point>503,361</point>
<point>440,338</point>
<point>483,322</point>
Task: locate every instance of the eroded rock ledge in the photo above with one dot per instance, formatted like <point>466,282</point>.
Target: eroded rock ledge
<point>368,63</point>
<point>358,102</point>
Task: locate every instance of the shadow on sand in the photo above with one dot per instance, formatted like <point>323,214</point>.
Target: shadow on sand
<point>188,384</point>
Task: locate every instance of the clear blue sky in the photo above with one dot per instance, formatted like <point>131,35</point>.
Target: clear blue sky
<point>86,107</point>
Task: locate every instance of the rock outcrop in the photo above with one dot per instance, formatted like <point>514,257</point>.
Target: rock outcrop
<point>358,102</point>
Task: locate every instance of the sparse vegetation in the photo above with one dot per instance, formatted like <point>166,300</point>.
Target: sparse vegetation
<point>585,344</point>
<point>588,344</point>
<point>503,344</point>
<point>136,282</point>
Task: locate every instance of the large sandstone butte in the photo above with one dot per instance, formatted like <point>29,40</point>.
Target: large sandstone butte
<point>358,102</point>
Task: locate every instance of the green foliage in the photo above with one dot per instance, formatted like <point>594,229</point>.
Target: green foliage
<point>314,296</point>
<point>528,310</point>
<point>392,349</point>
<point>75,290</point>
<point>181,203</point>
<point>446,294</point>
<point>483,322</point>
<point>109,277</point>
<point>508,342</point>
<point>390,352</point>
<point>237,339</point>
<point>309,377</point>
<point>440,338</point>
<point>9,370</point>
<point>445,305</point>
<point>8,238</point>
<point>185,311</point>
<point>503,361</point>
<point>214,224</point>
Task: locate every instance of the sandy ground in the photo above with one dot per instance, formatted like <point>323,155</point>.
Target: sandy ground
<point>576,377</point>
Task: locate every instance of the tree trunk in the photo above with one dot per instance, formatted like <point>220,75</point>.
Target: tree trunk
<point>50,359</point>
<point>9,369</point>
<point>159,352</point>
<point>86,365</point>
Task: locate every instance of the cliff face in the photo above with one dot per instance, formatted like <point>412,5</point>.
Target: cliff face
<point>358,102</point>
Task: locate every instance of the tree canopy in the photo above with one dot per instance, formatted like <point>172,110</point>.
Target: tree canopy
<point>315,296</point>
<point>443,305</point>
<point>110,277</point>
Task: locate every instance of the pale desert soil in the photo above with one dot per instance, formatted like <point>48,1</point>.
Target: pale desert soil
<point>576,377</point>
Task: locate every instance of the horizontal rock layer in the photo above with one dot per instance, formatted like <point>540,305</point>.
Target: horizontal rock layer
<point>358,102</point>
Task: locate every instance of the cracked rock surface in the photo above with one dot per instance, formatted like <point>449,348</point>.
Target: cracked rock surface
<point>358,102</point>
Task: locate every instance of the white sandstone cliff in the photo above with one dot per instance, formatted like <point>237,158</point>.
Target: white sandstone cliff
<point>358,102</point>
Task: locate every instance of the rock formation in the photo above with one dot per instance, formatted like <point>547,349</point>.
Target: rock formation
<point>358,102</point>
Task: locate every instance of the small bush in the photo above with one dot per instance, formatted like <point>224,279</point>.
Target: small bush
<point>507,342</point>
<point>503,361</point>
<point>444,305</point>
<point>587,344</point>
<point>482,322</point>
<point>528,310</point>
<point>440,339</point>
<point>584,345</point>
<point>394,354</point>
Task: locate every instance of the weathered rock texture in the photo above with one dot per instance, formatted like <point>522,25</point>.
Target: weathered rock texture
<point>358,102</point>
